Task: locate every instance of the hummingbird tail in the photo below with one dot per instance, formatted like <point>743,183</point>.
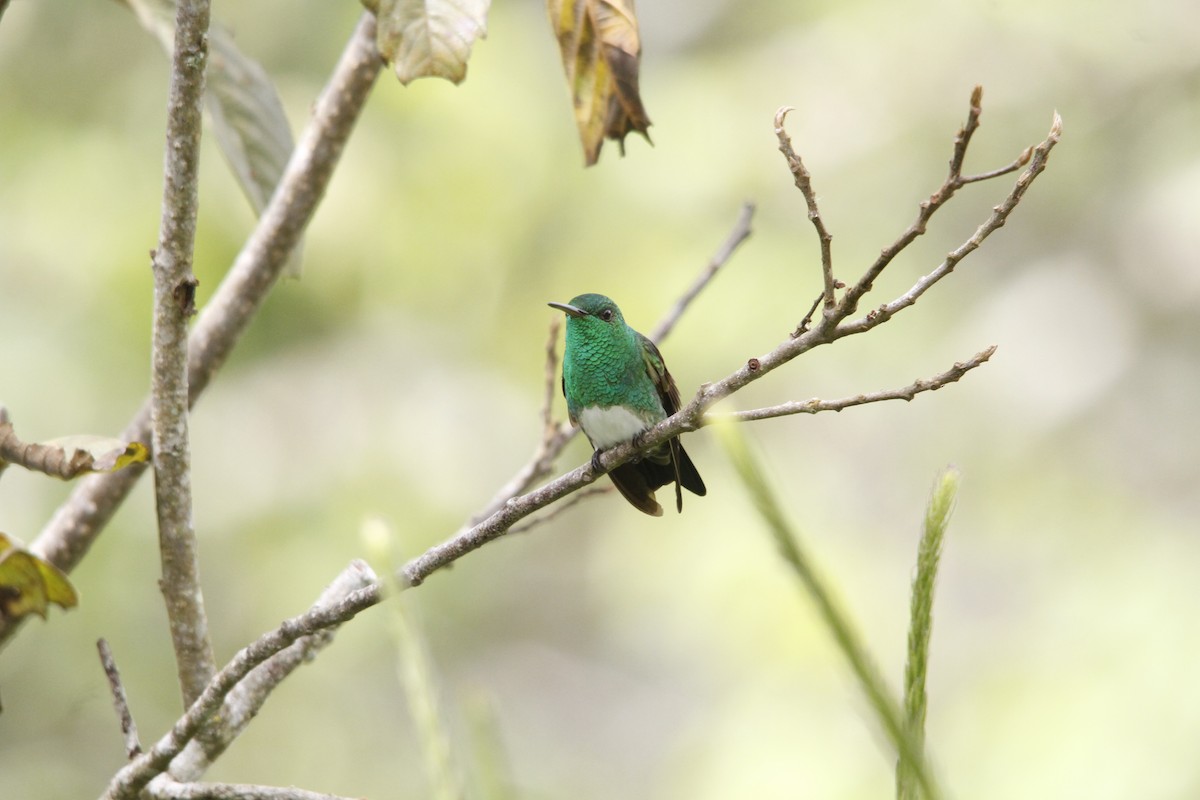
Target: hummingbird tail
<point>631,480</point>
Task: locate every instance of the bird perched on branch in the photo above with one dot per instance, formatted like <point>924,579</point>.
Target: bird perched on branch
<point>617,387</point>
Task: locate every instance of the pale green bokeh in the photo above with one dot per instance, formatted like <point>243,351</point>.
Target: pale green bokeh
<point>625,656</point>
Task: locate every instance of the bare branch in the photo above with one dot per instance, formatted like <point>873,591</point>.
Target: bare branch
<point>804,184</point>
<point>76,524</point>
<point>815,405</point>
<point>120,702</point>
<point>174,303</point>
<point>549,426</point>
<point>4,420</point>
<point>134,777</point>
<point>591,491</point>
<point>954,181</point>
<point>245,699</point>
<point>996,220</point>
<point>741,231</point>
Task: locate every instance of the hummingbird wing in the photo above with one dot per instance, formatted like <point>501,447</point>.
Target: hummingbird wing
<point>684,471</point>
<point>656,368</point>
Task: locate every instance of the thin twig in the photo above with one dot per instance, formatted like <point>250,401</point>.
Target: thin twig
<point>578,497</point>
<point>815,405</point>
<point>549,426</point>
<point>741,231</point>
<point>939,198</point>
<point>247,697</point>
<point>174,303</point>
<point>77,523</point>
<point>133,747</point>
<point>4,420</point>
<point>995,221</point>
<point>804,183</point>
<point>1016,164</point>
<point>804,323</point>
<point>134,777</point>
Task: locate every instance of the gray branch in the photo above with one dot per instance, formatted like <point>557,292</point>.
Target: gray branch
<point>174,303</point>
<point>324,615</point>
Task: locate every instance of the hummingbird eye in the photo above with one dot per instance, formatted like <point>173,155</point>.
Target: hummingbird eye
<point>606,314</point>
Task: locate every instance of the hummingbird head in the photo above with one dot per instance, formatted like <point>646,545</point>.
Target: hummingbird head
<point>591,312</point>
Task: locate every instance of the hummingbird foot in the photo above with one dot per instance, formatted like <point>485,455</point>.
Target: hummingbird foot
<point>599,470</point>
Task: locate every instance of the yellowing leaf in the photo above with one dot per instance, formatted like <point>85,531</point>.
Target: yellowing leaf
<point>28,584</point>
<point>429,38</point>
<point>100,453</point>
<point>69,456</point>
<point>601,53</point>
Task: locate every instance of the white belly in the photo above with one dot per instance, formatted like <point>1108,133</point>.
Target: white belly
<point>608,426</point>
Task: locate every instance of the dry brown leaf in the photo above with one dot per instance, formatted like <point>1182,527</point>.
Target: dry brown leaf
<point>601,53</point>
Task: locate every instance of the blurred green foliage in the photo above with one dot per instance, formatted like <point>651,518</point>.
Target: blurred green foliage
<point>631,657</point>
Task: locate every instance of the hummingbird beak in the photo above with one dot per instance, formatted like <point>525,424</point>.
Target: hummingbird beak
<point>568,309</point>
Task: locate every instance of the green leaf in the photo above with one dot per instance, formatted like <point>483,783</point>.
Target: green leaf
<point>429,38</point>
<point>28,584</point>
<point>244,108</point>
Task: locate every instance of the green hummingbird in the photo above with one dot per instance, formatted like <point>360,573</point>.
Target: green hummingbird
<point>617,387</point>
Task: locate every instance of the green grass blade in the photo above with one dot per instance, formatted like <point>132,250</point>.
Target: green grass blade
<point>418,675</point>
<point>929,552</point>
<point>881,699</point>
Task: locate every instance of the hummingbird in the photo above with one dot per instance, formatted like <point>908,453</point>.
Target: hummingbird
<point>617,387</point>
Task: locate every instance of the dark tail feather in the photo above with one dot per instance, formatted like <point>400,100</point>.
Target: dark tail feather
<point>637,480</point>
<point>631,480</point>
<point>688,475</point>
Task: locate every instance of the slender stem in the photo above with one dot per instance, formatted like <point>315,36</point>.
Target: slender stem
<point>803,181</point>
<point>741,232</point>
<point>133,747</point>
<point>815,405</point>
<point>174,302</point>
<point>134,777</point>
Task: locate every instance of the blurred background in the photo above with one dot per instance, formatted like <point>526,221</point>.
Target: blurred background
<point>620,655</point>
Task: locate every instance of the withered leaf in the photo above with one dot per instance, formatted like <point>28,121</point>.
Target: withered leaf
<point>28,584</point>
<point>69,456</point>
<point>429,38</point>
<point>601,53</point>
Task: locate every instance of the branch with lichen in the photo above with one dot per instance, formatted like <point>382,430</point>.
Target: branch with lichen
<point>174,303</point>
